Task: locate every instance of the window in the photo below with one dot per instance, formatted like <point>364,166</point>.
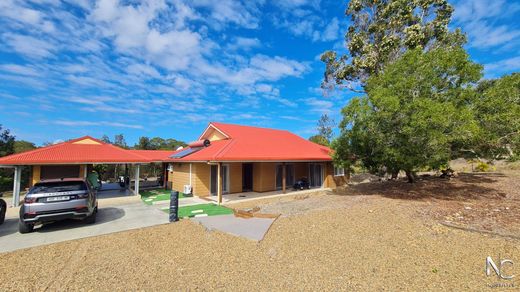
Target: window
<point>339,171</point>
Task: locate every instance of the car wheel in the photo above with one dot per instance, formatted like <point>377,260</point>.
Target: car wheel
<point>92,218</point>
<point>3,209</point>
<point>24,227</point>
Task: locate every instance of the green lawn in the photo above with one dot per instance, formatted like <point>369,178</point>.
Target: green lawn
<point>151,196</point>
<point>209,209</point>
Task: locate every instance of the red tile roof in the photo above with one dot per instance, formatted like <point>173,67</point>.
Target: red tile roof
<point>82,150</point>
<point>247,143</point>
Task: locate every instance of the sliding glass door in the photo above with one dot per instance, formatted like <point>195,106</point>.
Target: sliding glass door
<point>316,175</point>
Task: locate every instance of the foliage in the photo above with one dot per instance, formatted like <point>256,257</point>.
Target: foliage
<point>498,114</point>
<point>119,140</point>
<point>143,144</point>
<point>158,143</point>
<point>413,115</point>
<point>319,139</point>
<point>22,146</point>
<point>382,30</point>
<point>325,126</point>
<point>106,139</point>
<point>483,167</point>
<point>6,142</point>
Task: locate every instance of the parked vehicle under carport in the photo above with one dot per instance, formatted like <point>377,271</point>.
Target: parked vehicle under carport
<point>58,199</point>
<point>3,209</point>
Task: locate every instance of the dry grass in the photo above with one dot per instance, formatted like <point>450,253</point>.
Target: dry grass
<point>377,239</point>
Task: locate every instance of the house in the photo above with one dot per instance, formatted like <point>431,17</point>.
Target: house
<point>225,159</point>
<point>231,158</point>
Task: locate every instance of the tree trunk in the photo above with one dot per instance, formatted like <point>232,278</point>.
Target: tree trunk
<point>395,174</point>
<point>410,175</point>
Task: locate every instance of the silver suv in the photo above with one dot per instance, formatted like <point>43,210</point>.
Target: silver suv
<point>58,199</point>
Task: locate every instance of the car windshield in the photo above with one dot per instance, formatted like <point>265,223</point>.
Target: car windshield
<point>56,187</point>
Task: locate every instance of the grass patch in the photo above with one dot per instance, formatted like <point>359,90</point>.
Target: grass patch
<point>151,196</point>
<point>208,209</point>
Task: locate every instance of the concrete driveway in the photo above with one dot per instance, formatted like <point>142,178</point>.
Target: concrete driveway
<point>114,215</point>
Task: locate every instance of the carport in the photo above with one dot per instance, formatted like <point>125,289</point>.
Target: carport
<point>74,158</point>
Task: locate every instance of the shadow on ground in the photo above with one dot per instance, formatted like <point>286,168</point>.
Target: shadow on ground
<point>467,186</point>
<point>105,215</point>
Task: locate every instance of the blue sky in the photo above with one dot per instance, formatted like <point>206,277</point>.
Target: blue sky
<point>168,67</point>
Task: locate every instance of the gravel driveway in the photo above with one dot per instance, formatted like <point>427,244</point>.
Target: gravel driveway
<point>364,243</point>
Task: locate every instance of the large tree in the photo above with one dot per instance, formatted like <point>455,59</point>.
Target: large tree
<point>415,112</point>
<point>497,109</point>
<point>23,146</point>
<point>119,140</point>
<point>325,128</point>
<point>144,144</point>
<point>383,30</point>
<point>6,142</point>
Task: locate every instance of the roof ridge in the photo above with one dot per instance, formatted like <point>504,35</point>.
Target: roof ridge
<point>37,150</point>
<point>127,151</point>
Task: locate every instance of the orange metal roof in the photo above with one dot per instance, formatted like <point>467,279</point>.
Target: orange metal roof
<point>82,150</point>
<point>247,143</point>
<point>243,143</point>
<point>154,155</point>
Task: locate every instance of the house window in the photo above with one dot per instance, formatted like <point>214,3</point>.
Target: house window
<point>339,171</point>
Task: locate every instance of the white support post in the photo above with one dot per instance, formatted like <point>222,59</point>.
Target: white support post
<point>85,171</point>
<point>136,185</point>
<point>16,185</point>
<point>190,174</point>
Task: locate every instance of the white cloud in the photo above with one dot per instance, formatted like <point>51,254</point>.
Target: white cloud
<point>97,123</point>
<point>232,11</point>
<point>242,43</point>
<point>503,66</point>
<point>28,45</point>
<point>483,20</point>
<point>19,69</point>
<point>319,105</point>
<point>331,32</point>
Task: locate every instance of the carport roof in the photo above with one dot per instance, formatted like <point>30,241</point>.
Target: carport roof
<point>78,151</point>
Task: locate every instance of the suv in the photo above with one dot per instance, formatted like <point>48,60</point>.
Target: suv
<point>58,199</point>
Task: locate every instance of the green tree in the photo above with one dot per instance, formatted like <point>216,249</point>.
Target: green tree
<point>325,127</point>
<point>106,139</point>
<point>119,140</point>
<point>381,31</point>
<point>319,139</point>
<point>414,114</point>
<point>6,142</point>
<point>144,144</point>
<point>497,109</point>
<point>22,146</point>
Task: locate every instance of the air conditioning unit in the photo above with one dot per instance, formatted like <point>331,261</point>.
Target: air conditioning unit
<point>187,189</point>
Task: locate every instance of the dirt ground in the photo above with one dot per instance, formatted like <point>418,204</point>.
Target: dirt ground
<point>375,236</point>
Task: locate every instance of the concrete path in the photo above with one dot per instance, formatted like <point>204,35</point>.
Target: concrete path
<point>190,201</point>
<point>111,218</point>
<point>251,228</point>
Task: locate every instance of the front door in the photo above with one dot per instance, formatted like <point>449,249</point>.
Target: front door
<point>247,177</point>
